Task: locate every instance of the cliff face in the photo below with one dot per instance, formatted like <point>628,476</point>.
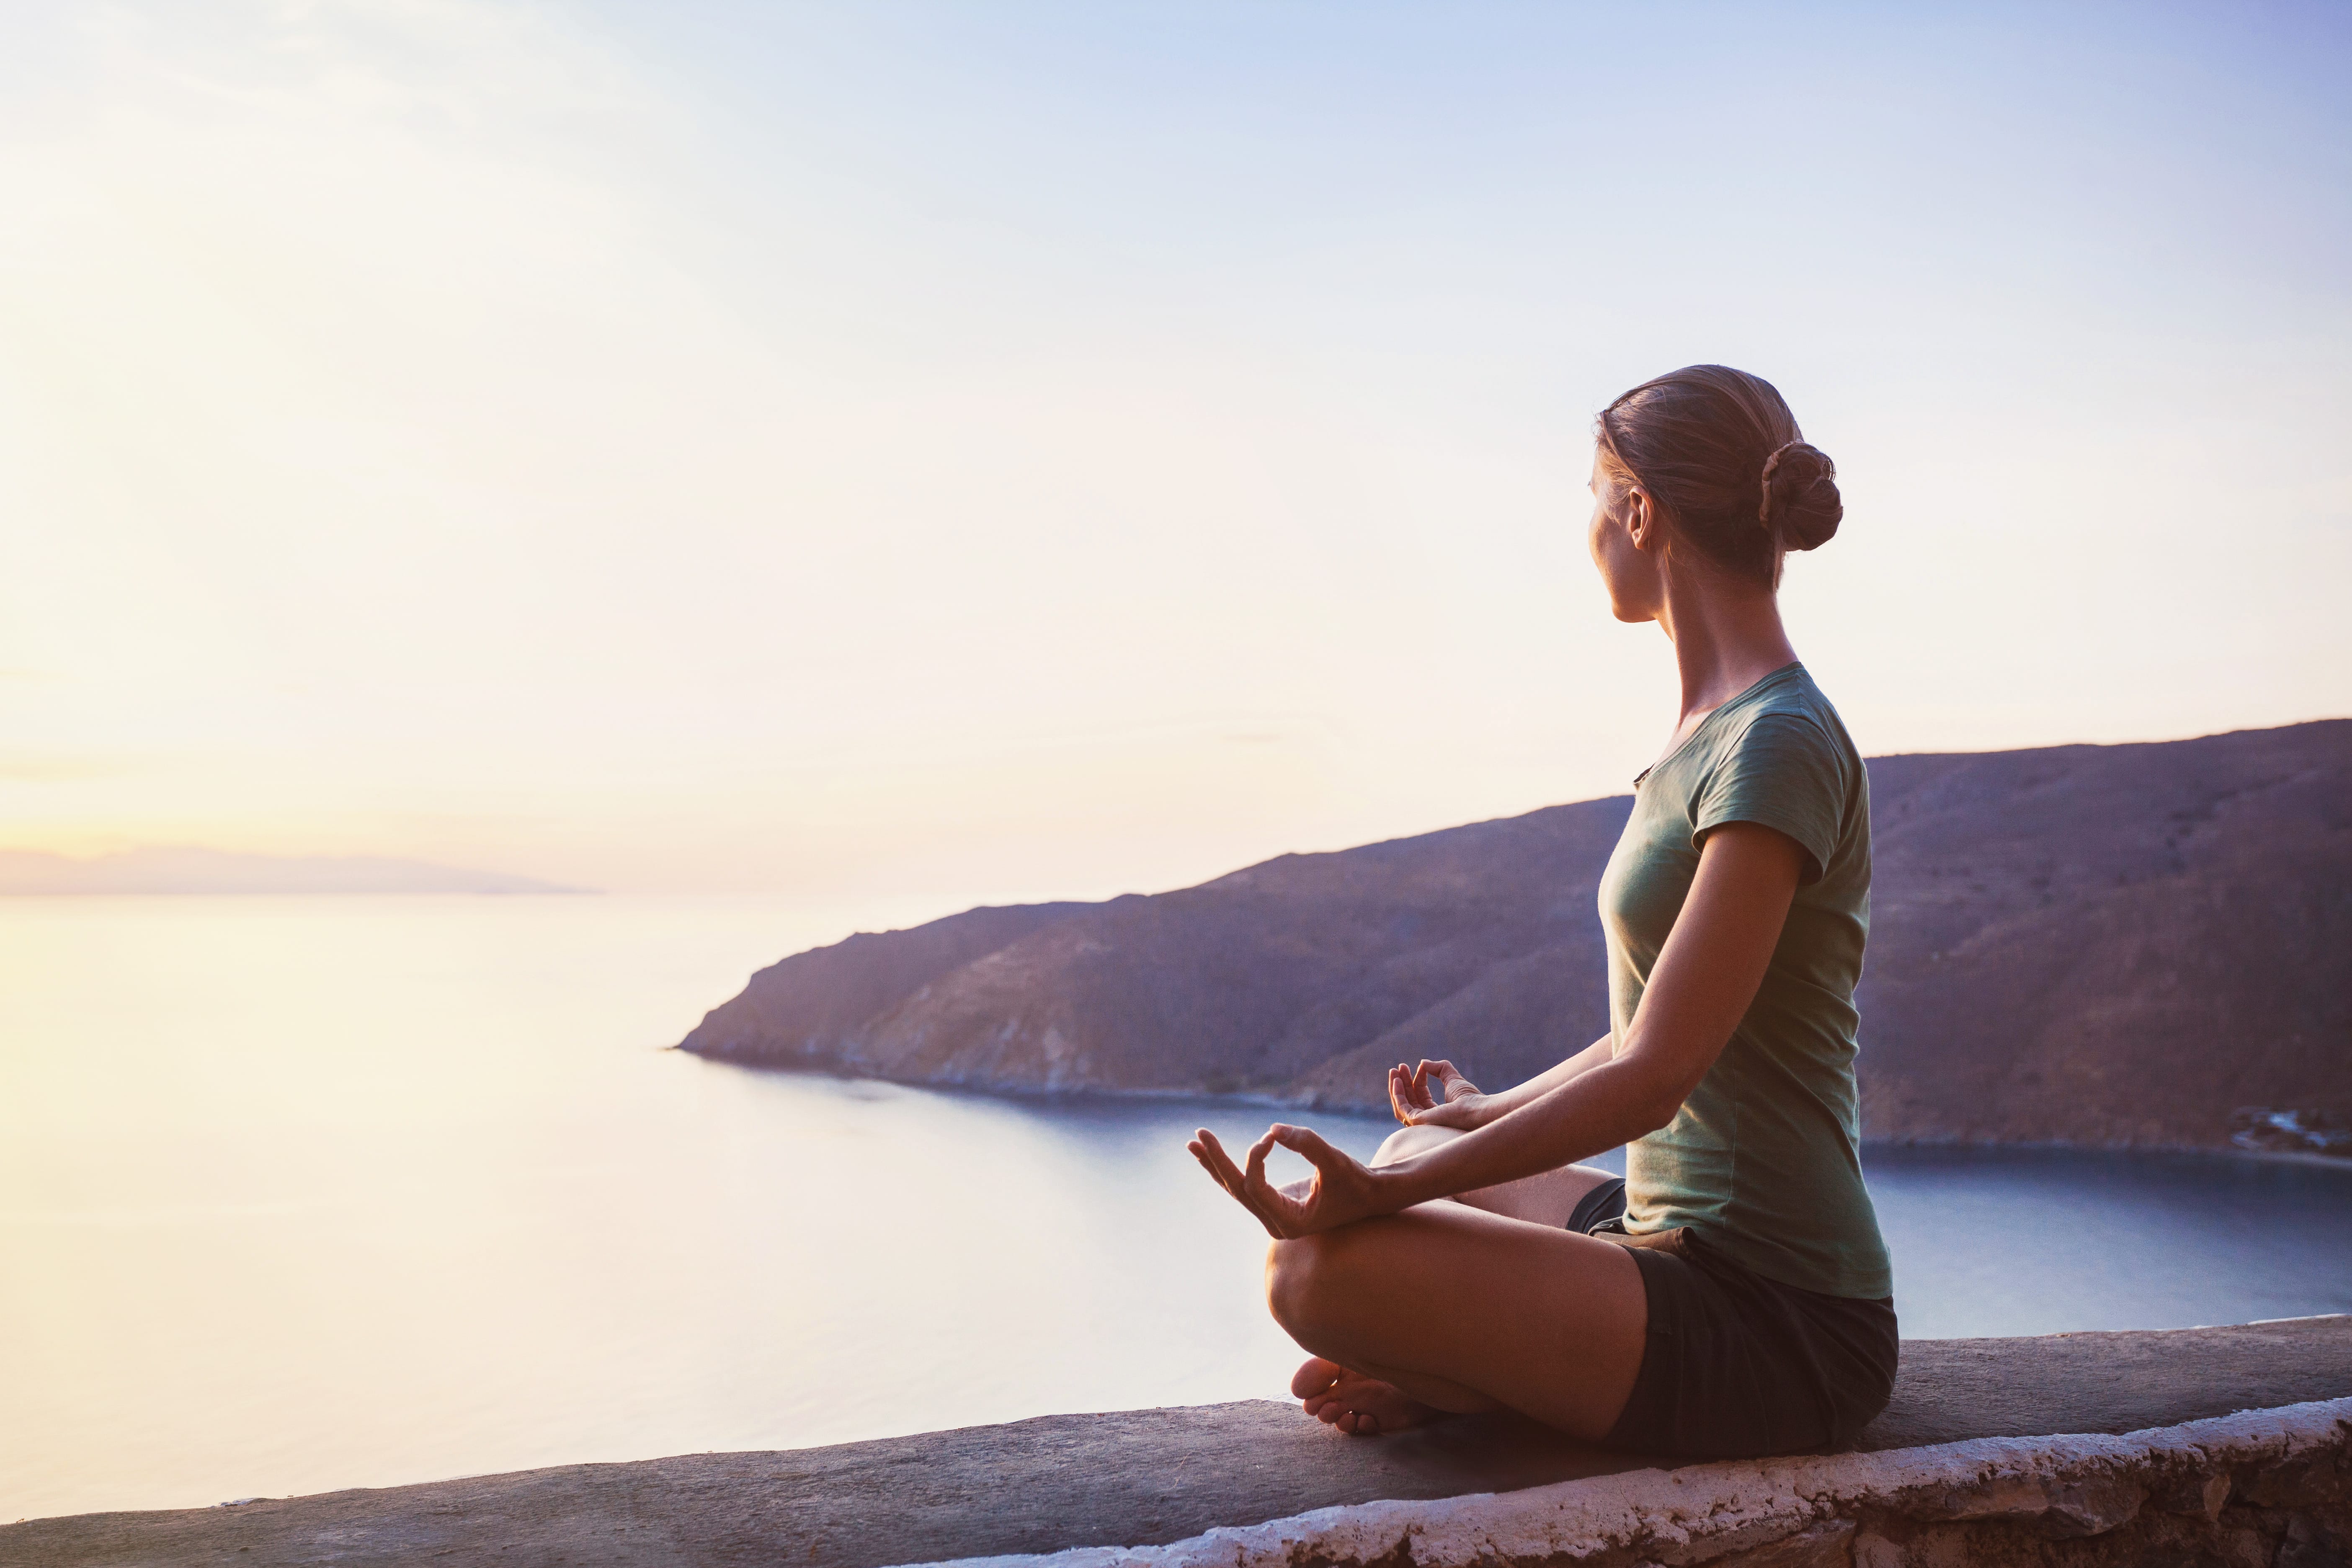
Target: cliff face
<point>2098,944</point>
<point>1255,981</point>
<point>2110,945</point>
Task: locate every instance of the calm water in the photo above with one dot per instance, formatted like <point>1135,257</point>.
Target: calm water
<point>301,1194</point>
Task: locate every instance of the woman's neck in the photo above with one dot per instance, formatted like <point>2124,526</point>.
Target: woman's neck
<point>1727,638</point>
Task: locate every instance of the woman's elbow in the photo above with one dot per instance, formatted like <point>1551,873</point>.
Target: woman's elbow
<point>1648,1093</point>
<point>1655,1117</point>
<point>1656,1105</point>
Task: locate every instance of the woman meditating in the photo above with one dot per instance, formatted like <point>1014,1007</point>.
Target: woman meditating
<point>1730,1296</point>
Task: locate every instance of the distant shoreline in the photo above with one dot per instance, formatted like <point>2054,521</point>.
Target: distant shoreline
<point>2059,937</point>
<point>1096,1094</point>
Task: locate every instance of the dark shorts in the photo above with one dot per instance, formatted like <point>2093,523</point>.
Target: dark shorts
<point>1738,1365</point>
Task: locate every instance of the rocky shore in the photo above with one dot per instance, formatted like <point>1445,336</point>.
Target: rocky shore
<point>2121,946</point>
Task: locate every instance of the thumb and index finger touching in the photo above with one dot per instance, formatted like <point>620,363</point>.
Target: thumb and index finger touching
<point>1416,1091</point>
<point>1303,1140</point>
<point>1238,1184</point>
<point>1442,1081</point>
<point>1247,1183</point>
<point>1405,1092</point>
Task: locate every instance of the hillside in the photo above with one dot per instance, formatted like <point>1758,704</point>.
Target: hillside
<point>2085,945</point>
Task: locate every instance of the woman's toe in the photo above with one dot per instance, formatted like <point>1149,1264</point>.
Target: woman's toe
<point>1315,1376</point>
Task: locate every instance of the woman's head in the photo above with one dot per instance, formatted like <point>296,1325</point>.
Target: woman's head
<point>1705,465</point>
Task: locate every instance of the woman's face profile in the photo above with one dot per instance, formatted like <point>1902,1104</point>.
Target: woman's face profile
<point>1618,539</point>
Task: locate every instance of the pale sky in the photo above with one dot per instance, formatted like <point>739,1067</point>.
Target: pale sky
<point>993,451</point>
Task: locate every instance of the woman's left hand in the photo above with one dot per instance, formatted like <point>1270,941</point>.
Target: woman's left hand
<point>1435,1094</point>
<point>1340,1190</point>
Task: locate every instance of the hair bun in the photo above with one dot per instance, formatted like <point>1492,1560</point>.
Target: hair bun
<point>1802,507</point>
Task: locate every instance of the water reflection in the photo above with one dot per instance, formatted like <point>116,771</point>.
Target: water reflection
<point>299,1194</point>
<point>2029,1241</point>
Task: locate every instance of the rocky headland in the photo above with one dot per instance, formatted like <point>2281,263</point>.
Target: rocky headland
<point>2137,945</point>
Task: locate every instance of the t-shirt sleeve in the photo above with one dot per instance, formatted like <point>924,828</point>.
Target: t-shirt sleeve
<point>1783,774</point>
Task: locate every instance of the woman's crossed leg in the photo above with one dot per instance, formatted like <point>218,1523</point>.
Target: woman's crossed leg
<point>1462,1305</point>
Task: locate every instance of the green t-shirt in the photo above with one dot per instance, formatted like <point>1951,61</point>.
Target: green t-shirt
<point>1762,1158</point>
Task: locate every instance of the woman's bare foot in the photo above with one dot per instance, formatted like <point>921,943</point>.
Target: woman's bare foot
<point>1358,1406</point>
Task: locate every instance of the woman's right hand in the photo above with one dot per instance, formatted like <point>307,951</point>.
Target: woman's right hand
<point>1340,1192</point>
<point>1435,1094</point>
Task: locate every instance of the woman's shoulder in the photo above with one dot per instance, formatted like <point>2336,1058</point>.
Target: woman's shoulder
<point>1795,713</point>
<point>1790,765</point>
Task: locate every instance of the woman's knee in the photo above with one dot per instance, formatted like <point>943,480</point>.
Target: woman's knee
<point>1307,1276</point>
<point>1298,1272</point>
<point>1407,1142</point>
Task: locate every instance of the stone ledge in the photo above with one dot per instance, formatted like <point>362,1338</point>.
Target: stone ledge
<point>2257,1487</point>
<point>1145,1477</point>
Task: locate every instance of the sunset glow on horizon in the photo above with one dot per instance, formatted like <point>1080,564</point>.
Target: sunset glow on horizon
<point>1001,452</point>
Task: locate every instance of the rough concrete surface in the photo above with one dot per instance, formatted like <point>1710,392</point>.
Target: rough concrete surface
<point>1145,1477</point>
<point>2263,1487</point>
<point>1952,1389</point>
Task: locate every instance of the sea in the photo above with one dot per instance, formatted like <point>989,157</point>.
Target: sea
<point>299,1194</point>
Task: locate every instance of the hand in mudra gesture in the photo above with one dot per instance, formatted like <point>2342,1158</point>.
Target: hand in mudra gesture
<point>1339,1191</point>
<point>1434,1094</point>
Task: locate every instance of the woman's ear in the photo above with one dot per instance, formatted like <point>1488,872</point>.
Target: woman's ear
<point>1640,521</point>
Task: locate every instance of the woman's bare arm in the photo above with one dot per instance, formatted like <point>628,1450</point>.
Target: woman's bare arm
<point>1704,980</point>
<point>1415,1106</point>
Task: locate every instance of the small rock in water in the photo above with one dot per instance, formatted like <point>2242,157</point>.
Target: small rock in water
<point>2264,1129</point>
